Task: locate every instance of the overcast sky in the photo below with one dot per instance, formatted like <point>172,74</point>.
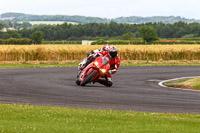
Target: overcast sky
<point>105,8</point>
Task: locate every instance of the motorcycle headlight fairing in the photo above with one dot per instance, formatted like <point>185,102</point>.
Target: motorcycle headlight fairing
<point>97,64</point>
<point>103,70</point>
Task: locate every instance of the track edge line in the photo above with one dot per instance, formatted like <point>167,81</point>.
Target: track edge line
<point>162,83</point>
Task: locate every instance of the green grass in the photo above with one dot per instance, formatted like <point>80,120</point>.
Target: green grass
<point>193,83</point>
<point>37,65</point>
<point>30,119</point>
<point>159,64</point>
<point>10,65</point>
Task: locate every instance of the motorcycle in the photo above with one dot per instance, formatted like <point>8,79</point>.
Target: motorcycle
<point>92,72</point>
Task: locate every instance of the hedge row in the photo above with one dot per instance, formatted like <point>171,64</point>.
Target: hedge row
<point>23,41</point>
<point>20,41</point>
<point>121,42</point>
<point>61,42</point>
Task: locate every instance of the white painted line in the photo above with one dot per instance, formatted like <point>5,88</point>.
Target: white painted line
<point>154,80</point>
<point>162,83</point>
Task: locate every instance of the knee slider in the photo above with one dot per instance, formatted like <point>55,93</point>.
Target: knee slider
<point>109,83</point>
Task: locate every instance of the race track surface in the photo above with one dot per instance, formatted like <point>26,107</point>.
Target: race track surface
<point>135,89</point>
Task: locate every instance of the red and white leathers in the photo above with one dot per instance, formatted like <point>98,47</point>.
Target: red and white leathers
<point>105,48</point>
<point>85,61</point>
<point>97,50</point>
<point>114,65</point>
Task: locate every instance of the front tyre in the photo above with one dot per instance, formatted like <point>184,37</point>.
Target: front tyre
<point>88,78</point>
<point>78,81</point>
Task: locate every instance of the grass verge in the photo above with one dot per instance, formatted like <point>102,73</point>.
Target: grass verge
<point>75,63</point>
<point>30,119</point>
<point>193,83</point>
<point>36,65</point>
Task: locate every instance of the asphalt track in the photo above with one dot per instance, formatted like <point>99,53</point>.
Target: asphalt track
<point>134,89</point>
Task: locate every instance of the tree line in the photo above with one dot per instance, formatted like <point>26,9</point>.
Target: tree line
<point>106,31</point>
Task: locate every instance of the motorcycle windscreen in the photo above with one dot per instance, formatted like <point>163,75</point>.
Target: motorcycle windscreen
<point>105,60</point>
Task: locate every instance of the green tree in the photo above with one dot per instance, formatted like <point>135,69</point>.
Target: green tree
<point>10,34</point>
<point>1,26</point>
<point>101,41</point>
<point>37,37</point>
<point>127,36</point>
<point>148,34</point>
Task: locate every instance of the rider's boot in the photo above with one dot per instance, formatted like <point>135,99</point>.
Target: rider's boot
<point>107,83</point>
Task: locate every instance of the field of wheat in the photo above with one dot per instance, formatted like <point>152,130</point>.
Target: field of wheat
<point>78,52</point>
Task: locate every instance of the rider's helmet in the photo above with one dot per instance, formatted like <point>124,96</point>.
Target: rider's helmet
<point>113,52</point>
<point>106,47</point>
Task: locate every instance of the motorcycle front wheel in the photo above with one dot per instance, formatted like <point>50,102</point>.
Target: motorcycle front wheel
<point>88,78</point>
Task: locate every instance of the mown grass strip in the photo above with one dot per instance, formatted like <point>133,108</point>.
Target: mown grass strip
<point>30,119</point>
<point>36,65</point>
<point>75,64</point>
<point>193,83</point>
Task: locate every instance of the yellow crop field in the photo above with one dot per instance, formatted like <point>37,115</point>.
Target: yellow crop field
<point>78,52</point>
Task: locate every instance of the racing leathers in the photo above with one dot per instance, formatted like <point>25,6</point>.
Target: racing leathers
<point>87,60</point>
<point>94,51</point>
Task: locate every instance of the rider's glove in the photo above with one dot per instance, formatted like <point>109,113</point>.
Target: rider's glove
<point>90,53</point>
<point>109,71</point>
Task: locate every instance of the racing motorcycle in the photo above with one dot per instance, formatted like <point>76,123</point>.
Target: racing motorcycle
<point>92,72</point>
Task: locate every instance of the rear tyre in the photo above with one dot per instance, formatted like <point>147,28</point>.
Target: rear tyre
<point>88,78</point>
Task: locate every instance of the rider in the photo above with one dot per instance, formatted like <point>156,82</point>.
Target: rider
<point>114,64</point>
<point>90,54</point>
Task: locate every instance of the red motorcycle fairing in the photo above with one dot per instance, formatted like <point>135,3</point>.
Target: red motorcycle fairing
<point>87,71</point>
<point>102,66</point>
<point>96,66</point>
